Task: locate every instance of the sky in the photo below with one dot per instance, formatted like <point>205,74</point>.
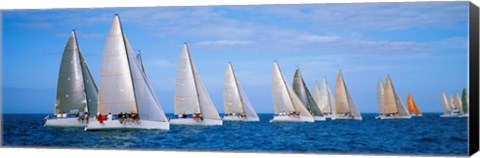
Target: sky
<point>422,46</point>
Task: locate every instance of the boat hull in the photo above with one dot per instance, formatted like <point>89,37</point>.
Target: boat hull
<point>415,115</point>
<point>381,117</point>
<point>64,122</point>
<point>464,115</point>
<point>345,118</point>
<point>449,115</point>
<point>236,118</point>
<point>94,125</point>
<point>320,118</point>
<point>190,121</point>
<point>292,119</point>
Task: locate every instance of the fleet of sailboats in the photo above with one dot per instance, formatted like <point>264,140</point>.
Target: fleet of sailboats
<point>392,107</point>
<point>301,90</point>
<point>236,104</point>
<point>125,89</point>
<point>193,105</point>
<point>287,105</point>
<point>344,105</point>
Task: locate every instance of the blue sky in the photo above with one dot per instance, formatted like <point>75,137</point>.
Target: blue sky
<point>423,46</point>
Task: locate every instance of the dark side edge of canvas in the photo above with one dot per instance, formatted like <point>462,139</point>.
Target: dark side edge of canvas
<point>473,77</point>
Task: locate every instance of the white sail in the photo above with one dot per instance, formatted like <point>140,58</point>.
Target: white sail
<point>235,100</point>
<point>124,87</point>
<point>191,95</point>
<point>317,96</point>
<point>458,103</point>
<point>452,102</point>
<point>327,98</point>
<point>71,95</point>
<point>446,106</point>
<point>91,90</point>
<point>301,90</point>
<point>380,96</point>
<point>284,98</point>
<point>343,101</point>
<point>392,103</point>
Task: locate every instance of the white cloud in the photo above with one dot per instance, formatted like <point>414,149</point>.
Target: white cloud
<point>223,43</point>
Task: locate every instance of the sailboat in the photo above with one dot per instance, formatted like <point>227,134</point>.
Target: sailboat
<point>236,104</point>
<point>193,105</point>
<point>325,99</point>
<point>458,104</point>
<point>76,89</point>
<point>301,90</point>
<point>124,88</point>
<point>392,105</point>
<point>344,105</point>
<point>447,107</point>
<point>412,107</point>
<point>380,93</point>
<point>288,107</point>
<point>464,103</point>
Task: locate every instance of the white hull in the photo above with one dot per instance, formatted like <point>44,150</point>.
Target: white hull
<point>449,115</point>
<point>236,118</point>
<point>345,118</point>
<point>414,115</point>
<point>464,115</point>
<point>190,121</point>
<point>320,118</point>
<point>64,122</point>
<point>291,119</point>
<point>382,117</point>
<point>115,125</point>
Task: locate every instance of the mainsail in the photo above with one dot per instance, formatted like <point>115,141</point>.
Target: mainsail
<point>447,109</point>
<point>412,107</point>
<point>324,98</point>
<point>465,100</point>
<point>301,90</point>
<point>124,87</point>
<point>284,98</point>
<point>235,101</point>
<point>458,103</point>
<point>380,93</point>
<point>191,95</point>
<point>343,100</point>
<point>392,103</point>
<point>76,89</point>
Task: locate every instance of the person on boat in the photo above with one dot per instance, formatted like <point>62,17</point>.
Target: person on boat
<point>86,117</point>
<point>99,118</point>
<point>110,116</point>
<point>64,115</point>
<point>135,118</point>
<point>80,117</point>
<point>128,117</point>
<point>121,117</point>
<point>197,117</point>
<point>243,115</point>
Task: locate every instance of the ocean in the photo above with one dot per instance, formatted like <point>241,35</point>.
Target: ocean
<point>427,135</point>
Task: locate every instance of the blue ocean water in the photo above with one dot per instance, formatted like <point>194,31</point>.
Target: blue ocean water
<point>428,135</point>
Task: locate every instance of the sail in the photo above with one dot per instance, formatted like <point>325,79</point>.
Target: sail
<point>235,99</point>
<point>116,92</point>
<point>329,97</point>
<point>232,100</point>
<point>452,102</point>
<point>71,95</point>
<point>380,97</point>
<point>392,103</point>
<point>206,105</point>
<point>464,100</point>
<point>301,90</point>
<point>341,98</point>
<point>458,103</point>
<point>284,98</point>
<point>186,97</point>
<point>140,62</point>
<point>147,103</point>
<point>446,106</point>
<point>412,107</point>
<point>91,90</point>
<point>324,98</point>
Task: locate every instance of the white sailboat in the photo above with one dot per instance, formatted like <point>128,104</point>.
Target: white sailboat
<point>76,89</point>
<point>288,107</point>
<point>301,90</point>
<point>393,107</point>
<point>325,99</point>
<point>236,104</point>
<point>193,105</point>
<point>124,88</point>
<point>447,108</point>
<point>345,107</point>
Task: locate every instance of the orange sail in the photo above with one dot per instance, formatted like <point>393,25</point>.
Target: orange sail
<point>412,107</point>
